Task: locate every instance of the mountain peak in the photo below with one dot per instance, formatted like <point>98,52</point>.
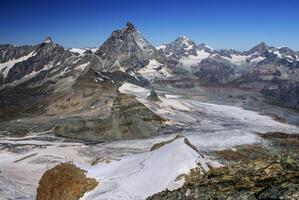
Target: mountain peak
<point>47,40</point>
<point>262,44</point>
<point>126,49</point>
<point>130,26</point>
<point>183,38</point>
<point>260,48</point>
<point>204,46</point>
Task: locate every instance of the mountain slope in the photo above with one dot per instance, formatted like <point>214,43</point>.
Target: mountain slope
<point>71,94</point>
<point>137,177</point>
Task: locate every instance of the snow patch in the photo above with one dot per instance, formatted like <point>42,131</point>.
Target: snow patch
<point>257,59</point>
<point>154,69</point>
<point>192,60</point>
<point>5,67</point>
<point>163,46</point>
<point>77,50</point>
<point>237,59</point>
<point>82,66</point>
<point>278,54</point>
<point>82,50</point>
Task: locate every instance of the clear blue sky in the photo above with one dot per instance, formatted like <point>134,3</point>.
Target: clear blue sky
<point>219,23</point>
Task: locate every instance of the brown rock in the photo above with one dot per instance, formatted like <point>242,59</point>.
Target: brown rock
<point>64,182</point>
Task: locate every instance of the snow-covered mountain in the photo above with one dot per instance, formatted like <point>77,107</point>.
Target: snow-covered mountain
<point>180,47</point>
<point>190,54</point>
<point>35,78</point>
<point>126,50</point>
<point>262,68</point>
<point>186,52</point>
<point>38,64</point>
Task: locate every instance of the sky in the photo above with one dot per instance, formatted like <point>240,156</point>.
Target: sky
<point>88,23</point>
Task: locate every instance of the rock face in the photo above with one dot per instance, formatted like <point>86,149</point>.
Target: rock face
<point>126,50</point>
<point>180,47</point>
<point>214,71</point>
<point>65,181</point>
<point>127,118</point>
<point>259,49</point>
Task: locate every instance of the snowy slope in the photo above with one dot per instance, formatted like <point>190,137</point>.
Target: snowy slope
<point>82,50</point>
<point>138,176</point>
<point>191,60</point>
<point>154,69</point>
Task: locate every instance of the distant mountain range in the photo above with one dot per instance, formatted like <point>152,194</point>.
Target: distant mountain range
<point>51,81</point>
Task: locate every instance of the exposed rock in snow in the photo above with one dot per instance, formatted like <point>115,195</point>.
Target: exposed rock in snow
<point>153,96</point>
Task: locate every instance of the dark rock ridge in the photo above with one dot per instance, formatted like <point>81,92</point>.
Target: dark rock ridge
<point>153,96</point>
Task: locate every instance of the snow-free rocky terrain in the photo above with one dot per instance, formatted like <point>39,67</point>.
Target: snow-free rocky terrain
<point>138,118</point>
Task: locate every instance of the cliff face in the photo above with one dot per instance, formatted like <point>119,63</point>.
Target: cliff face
<point>64,181</point>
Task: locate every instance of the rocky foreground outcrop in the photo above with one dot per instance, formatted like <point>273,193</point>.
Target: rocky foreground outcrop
<point>64,182</point>
<point>254,173</point>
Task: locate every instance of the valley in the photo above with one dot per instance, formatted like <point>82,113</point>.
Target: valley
<point>208,126</point>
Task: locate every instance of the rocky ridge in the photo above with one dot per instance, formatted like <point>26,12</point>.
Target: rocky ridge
<point>255,172</point>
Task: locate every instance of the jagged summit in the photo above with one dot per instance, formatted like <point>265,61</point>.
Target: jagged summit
<point>130,26</point>
<point>183,38</point>
<point>47,40</point>
<point>260,48</point>
<point>181,46</point>
<point>205,47</point>
<point>126,49</point>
